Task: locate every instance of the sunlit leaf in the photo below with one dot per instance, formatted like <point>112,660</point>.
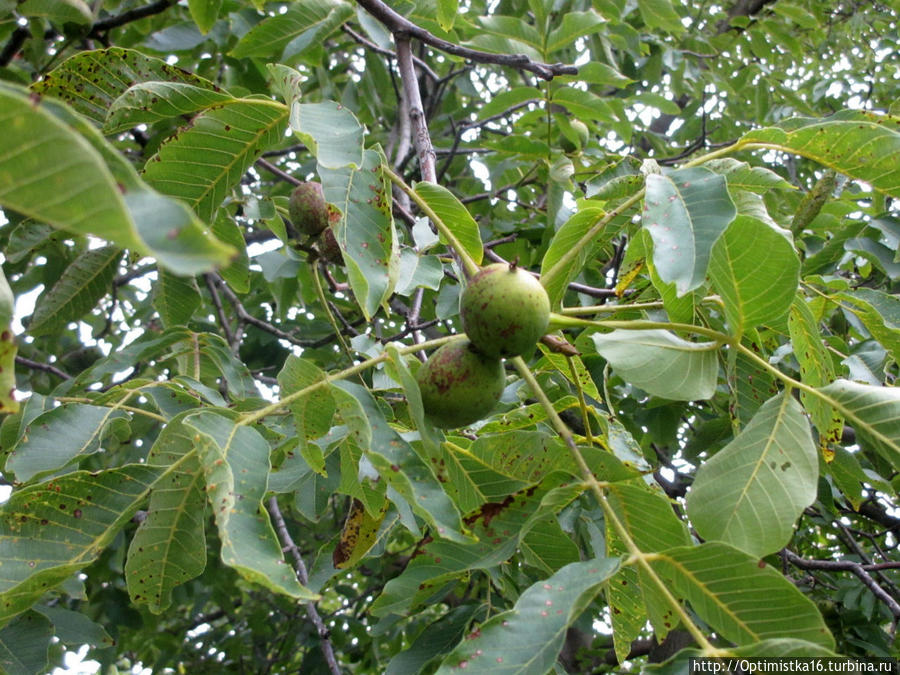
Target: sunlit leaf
<point>743,601</point>
<point>50,530</point>
<point>454,215</point>
<point>60,435</point>
<point>860,145</point>
<point>661,363</point>
<point>200,164</point>
<point>751,492</point>
<point>235,463</point>
<point>685,212</point>
<point>755,269</point>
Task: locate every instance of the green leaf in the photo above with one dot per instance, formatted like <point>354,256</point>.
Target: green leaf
<point>58,436</point>
<point>399,465</point>
<point>74,628</point>
<point>200,164</point>
<point>89,178</point>
<point>751,385</point>
<point>235,462</point>
<point>743,176</point>
<point>815,368</point>
<point>8,402</point>
<point>498,465</point>
<point>685,211</point>
<point>85,281</point>
<point>661,363</point>
<point>573,26</point>
<point>529,637</point>
<point>446,13</point>
<point>547,547</point>
<point>59,12</point>
<point>365,232</point>
<point>742,601</point>
<point>751,492</point>
<point>50,530</point>
<point>150,102</point>
<point>24,645</point>
<point>648,517</point>
<point>90,81</point>
<point>176,298</point>
<point>563,243</point>
<point>454,215</point>
<point>165,551</point>
<point>312,412</point>
<point>879,312</point>
<point>660,14</point>
<point>756,270</point>
<point>303,25</point>
<point>331,132</point>
<point>436,640</point>
<point>497,527</point>
<point>873,411</point>
<point>862,147</point>
<point>584,105</point>
<point>237,273</point>
<point>204,13</point>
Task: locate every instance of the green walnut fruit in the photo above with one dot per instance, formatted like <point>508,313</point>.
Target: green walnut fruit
<point>504,310</point>
<point>459,385</point>
<point>308,209</point>
<point>329,248</point>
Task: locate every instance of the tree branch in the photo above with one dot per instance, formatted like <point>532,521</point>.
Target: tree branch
<point>400,25</point>
<point>846,566</point>
<point>300,568</point>
<point>111,22</point>
<point>45,367</point>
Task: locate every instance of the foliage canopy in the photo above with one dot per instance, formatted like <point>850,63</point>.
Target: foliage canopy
<point>213,444</point>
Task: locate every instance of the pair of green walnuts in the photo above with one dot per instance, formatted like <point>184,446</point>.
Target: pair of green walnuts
<point>308,212</point>
<point>505,311</point>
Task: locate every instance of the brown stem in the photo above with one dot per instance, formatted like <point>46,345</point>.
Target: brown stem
<point>400,25</point>
<point>421,137</point>
<point>300,568</point>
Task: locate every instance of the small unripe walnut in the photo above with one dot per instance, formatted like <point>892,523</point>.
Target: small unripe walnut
<point>308,209</point>
<point>459,385</point>
<point>504,310</point>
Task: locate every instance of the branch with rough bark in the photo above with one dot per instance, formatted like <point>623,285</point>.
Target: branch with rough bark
<point>857,569</point>
<point>400,25</point>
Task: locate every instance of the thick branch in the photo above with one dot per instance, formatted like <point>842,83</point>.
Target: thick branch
<point>400,25</point>
<point>421,137</point>
<point>846,566</point>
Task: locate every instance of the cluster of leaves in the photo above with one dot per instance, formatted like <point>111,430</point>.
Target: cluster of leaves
<point>223,460</point>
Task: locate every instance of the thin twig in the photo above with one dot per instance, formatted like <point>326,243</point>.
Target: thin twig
<point>400,25</point>
<point>300,568</point>
<point>127,17</point>
<point>368,44</point>
<point>271,168</point>
<point>45,367</point>
<point>220,312</point>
